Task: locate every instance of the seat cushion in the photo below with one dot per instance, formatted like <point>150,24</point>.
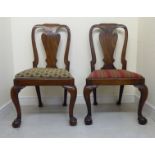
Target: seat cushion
<point>44,73</point>
<point>111,73</point>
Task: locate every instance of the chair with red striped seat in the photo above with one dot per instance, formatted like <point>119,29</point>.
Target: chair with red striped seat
<point>108,74</point>
<point>119,74</point>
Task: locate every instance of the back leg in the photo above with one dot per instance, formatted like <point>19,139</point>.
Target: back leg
<point>65,97</point>
<point>95,99</point>
<point>39,96</point>
<point>120,95</point>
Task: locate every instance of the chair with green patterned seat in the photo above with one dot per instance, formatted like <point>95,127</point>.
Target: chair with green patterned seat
<point>49,76</point>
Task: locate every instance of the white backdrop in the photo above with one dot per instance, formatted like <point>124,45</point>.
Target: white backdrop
<point>146,54</point>
<point>6,66</point>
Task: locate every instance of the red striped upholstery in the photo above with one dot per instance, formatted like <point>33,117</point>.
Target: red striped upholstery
<point>111,73</point>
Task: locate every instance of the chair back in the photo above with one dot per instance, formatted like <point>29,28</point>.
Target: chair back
<point>108,37</point>
<point>51,38</point>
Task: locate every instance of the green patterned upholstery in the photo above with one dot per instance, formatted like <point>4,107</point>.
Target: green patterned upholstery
<point>44,73</point>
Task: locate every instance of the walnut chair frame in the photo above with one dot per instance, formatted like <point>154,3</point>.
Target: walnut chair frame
<point>49,36</point>
<point>108,38</point>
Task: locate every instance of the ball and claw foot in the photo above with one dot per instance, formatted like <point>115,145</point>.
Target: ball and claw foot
<point>95,103</point>
<point>73,121</point>
<point>64,104</point>
<point>40,105</point>
<point>118,103</point>
<point>142,120</point>
<point>16,123</point>
<point>88,120</point>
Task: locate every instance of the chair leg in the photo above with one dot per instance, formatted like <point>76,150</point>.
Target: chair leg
<point>86,92</point>
<point>14,95</point>
<point>73,92</point>
<point>120,95</point>
<point>39,96</point>
<point>143,96</point>
<point>95,99</point>
<point>65,98</point>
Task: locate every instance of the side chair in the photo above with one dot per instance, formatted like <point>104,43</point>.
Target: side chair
<point>109,74</point>
<point>50,75</point>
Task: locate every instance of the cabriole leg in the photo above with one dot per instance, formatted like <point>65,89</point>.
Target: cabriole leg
<point>65,97</point>
<point>73,92</point>
<point>120,95</point>
<point>39,96</point>
<point>95,96</point>
<point>86,92</point>
<point>14,95</point>
<point>143,96</point>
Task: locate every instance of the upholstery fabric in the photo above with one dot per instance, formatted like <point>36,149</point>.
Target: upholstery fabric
<point>44,73</point>
<point>111,73</point>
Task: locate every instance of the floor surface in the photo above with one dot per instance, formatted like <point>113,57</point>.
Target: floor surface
<point>109,120</point>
